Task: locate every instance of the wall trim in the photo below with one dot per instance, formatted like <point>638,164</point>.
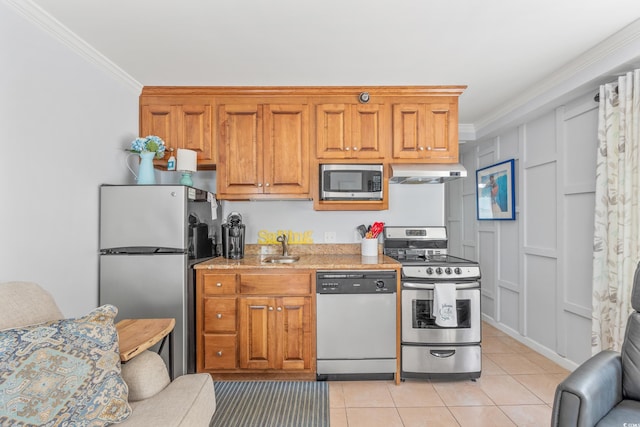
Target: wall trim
<point>39,17</point>
<point>549,354</point>
<point>612,56</point>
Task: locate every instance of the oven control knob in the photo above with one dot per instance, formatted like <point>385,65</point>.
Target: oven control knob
<point>438,270</point>
<point>429,270</point>
<point>447,270</point>
<point>379,284</point>
<point>457,270</point>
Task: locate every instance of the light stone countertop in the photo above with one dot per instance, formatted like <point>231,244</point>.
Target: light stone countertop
<point>316,257</point>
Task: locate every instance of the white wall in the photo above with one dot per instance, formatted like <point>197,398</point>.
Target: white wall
<point>537,270</point>
<point>408,205</point>
<point>63,126</point>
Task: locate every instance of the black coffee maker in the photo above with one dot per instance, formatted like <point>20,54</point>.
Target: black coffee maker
<point>233,237</point>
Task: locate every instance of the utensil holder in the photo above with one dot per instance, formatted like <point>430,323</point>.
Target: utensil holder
<point>369,247</point>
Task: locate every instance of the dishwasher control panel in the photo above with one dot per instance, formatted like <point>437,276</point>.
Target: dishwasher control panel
<point>356,282</point>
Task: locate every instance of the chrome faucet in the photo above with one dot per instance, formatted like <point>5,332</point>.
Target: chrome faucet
<point>285,248</point>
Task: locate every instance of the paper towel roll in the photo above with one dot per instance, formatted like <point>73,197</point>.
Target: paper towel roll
<point>187,160</point>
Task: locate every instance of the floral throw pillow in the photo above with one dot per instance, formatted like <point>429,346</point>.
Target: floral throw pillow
<point>63,373</point>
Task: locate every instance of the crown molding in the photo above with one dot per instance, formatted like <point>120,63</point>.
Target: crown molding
<point>595,66</point>
<point>55,28</point>
<point>466,132</point>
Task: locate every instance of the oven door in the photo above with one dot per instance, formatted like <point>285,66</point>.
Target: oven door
<point>418,323</point>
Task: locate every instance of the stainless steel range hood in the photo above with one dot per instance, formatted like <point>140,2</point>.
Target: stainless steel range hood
<point>426,173</point>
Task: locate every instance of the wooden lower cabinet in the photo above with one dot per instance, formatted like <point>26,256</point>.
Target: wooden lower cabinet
<point>252,322</point>
<point>220,352</point>
<point>274,333</point>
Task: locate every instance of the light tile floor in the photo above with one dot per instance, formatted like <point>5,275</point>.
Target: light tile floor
<point>516,388</point>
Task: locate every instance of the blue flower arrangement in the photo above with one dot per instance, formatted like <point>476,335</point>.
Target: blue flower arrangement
<point>150,143</point>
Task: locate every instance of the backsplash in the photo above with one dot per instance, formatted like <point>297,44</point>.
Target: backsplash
<point>408,205</point>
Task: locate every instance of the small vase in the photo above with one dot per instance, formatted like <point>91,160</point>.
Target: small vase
<point>146,174</point>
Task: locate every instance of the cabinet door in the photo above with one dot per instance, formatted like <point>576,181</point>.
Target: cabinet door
<point>286,149</point>
<point>294,330</point>
<point>256,333</point>
<point>158,120</point>
<point>194,132</point>
<point>426,131</point>
<point>181,126</point>
<point>368,124</point>
<point>240,149</point>
<point>442,132</point>
<point>409,131</point>
<point>333,131</point>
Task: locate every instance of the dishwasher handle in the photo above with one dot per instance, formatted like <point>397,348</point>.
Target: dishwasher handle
<point>431,286</point>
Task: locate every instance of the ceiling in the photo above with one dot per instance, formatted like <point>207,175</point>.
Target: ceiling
<point>498,48</point>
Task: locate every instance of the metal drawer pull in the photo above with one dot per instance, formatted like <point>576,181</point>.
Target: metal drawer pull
<point>219,316</point>
<point>270,308</point>
<point>279,308</point>
<point>442,353</point>
<point>219,354</point>
<point>219,284</point>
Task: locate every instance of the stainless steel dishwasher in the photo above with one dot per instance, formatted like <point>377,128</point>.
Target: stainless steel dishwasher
<point>356,324</point>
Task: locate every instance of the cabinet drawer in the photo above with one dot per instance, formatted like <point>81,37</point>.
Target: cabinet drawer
<point>220,284</point>
<point>276,284</point>
<point>219,315</point>
<point>219,352</point>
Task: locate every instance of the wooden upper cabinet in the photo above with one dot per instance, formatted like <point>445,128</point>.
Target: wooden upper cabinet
<point>195,132</point>
<point>286,149</point>
<point>264,150</point>
<point>350,131</point>
<point>240,149</point>
<point>181,126</point>
<point>425,131</point>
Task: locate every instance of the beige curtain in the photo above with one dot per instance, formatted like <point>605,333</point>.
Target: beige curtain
<point>616,248</point>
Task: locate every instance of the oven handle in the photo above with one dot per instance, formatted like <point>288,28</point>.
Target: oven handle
<point>442,353</point>
<point>431,286</point>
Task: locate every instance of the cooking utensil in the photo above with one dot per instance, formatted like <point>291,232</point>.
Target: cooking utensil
<point>362,230</point>
<point>376,229</point>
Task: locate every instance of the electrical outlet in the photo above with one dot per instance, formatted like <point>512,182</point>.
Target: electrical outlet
<point>329,236</point>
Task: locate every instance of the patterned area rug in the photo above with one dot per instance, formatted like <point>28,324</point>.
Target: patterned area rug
<point>271,404</point>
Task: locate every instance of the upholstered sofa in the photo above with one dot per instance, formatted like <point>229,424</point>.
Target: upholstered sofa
<point>47,361</point>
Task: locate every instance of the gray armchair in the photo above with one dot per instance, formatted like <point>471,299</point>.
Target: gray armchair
<point>605,390</point>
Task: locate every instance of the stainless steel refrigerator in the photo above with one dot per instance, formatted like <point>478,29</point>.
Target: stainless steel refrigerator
<point>148,246</point>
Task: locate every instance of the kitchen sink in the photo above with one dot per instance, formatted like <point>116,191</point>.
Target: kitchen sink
<point>281,259</point>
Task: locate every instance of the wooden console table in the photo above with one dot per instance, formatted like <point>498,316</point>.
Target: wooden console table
<point>137,335</point>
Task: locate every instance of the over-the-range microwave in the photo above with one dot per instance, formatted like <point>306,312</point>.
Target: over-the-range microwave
<point>351,182</point>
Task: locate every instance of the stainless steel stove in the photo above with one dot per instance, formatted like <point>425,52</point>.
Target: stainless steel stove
<point>440,303</point>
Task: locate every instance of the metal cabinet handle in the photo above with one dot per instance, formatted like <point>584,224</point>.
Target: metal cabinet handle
<point>219,284</point>
<point>219,316</point>
<point>259,184</point>
<point>428,148</point>
<point>421,148</point>
<point>219,354</point>
<point>347,148</point>
<point>267,184</point>
<point>270,308</point>
<point>355,148</point>
<point>443,353</point>
<point>279,308</point>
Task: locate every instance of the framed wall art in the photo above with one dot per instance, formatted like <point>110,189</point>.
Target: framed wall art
<point>495,192</point>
